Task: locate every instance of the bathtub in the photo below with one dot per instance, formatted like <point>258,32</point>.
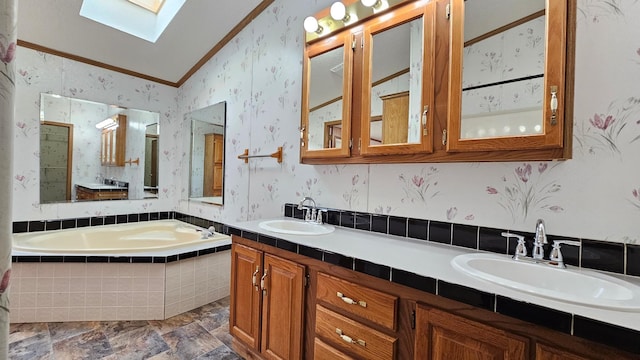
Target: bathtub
<point>140,237</point>
<point>136,271</point>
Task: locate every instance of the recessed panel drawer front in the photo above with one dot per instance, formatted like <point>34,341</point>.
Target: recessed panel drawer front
<point>322,351</point>
<point>344,333</point>
<point>362,301</point>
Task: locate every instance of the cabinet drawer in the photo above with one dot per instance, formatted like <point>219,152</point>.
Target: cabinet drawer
<point>322,351</point>
<point>344,333</point>
<point>362,301</point>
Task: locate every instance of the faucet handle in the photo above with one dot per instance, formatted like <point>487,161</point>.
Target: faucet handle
<point>521,249</point>
<point>556,254</point>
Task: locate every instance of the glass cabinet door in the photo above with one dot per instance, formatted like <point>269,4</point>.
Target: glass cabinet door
<point>507,75</point>
<point>397,82</point>
<point>325,130</point>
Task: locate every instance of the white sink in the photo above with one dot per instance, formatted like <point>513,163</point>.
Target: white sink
<point>296,227</point>
<point>570,285</point>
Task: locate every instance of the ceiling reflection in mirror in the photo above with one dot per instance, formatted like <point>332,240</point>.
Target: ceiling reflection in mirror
<point>72,147</point>
<point>326,78</point>
<point>503,68</point>
<point>206,180</point>
<point>396,85</point>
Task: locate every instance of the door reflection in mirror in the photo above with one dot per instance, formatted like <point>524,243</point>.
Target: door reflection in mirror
<point>151,161</point>
<point>83,158</point>
<point>325,99</point>
<point>396,88</point>
<point>503,68</point>
<point>206,183</point>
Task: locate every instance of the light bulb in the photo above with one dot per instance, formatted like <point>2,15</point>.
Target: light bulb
<point>311,25</point>
<point>370,3</point>
<point>339,12</point>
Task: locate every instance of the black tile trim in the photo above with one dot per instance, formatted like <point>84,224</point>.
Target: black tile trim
<point>536,314</point>
<point>415,281</point>
<point>612,335</point>
<point>467,295</point>
<point>369,268</point>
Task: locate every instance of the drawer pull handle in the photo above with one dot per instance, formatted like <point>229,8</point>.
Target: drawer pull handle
<point>264,290</point>
<point>350,301</point>
<point>349,339</point>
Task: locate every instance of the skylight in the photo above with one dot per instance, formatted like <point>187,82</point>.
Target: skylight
<point>135,17</point>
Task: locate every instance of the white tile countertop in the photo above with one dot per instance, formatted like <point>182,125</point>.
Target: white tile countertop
<point>98,186</point>
<point>434,260</point>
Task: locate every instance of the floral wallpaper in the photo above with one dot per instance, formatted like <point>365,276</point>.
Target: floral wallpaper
<point>37,73</point>
<point>595,195</point>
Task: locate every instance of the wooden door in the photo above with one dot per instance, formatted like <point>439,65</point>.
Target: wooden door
<point>547,352</point>
<point>440,336</point>
<point>282,308</point>
<point>244,309</point>
<point>209,153</point>
<point>395,112</point>
<point>218,164</point>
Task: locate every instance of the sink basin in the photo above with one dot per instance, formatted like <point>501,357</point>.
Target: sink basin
<point>296,227</point>
<point>577,286</point>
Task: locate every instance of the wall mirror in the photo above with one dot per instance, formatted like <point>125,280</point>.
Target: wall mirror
<point>507,73</point>
<point>206,181</point>
<point>71,146</point>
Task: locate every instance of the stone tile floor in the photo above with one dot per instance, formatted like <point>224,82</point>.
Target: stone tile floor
<point>202,333</point>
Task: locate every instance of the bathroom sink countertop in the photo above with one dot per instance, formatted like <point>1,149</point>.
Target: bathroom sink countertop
<point>97,186</point>
<point>434,260</point>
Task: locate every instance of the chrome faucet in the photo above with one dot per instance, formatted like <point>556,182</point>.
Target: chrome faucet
<point>313,214</point>
<point>539,240</point>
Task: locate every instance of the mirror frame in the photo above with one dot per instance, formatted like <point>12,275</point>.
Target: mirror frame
<point>224,151</point>
<point>342,40</point>
<point>396,18</point>
<point>554,75</point>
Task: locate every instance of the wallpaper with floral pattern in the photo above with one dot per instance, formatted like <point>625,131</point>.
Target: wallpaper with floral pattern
<point>595,195</point>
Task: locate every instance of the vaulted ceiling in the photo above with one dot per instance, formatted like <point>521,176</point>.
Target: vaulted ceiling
<point>199,29</point>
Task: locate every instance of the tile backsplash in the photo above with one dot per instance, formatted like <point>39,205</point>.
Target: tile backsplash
<point>593,254</point>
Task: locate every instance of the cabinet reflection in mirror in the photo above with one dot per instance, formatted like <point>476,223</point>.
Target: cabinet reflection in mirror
<point>85,153</point>
<point>503,68</point>
<point>396,85</point>
<point>207,154</point>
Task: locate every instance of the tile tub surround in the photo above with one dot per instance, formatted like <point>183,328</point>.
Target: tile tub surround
<point>425,265</point>
<point>116,287</point>
<point>55,291</point>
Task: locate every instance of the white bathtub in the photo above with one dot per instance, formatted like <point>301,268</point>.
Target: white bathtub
<point>147,237</point>
<point>136,271</point>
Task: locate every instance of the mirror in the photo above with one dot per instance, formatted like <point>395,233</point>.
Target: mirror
<point>206,183</point>
<point>71,145</point>
<point>325,100</point>
<point>396,85</point>
<point>503,68</point>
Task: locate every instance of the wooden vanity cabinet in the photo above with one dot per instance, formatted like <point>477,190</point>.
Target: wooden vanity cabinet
<point>83,193</point>
<point>345,314</point>
<point>440,335</point>
<point>267,298</point>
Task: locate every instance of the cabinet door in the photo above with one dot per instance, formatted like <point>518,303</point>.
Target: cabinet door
<point>282,309</point>
<point>545,352</point>
<point>440,335</point>
<point>398,81</point>
<point>507,76</point>
<point>244,309</point>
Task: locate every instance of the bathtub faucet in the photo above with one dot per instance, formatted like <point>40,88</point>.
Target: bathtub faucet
<point>207,233</point>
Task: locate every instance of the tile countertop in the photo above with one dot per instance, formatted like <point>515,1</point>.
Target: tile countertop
<point>434,260</point>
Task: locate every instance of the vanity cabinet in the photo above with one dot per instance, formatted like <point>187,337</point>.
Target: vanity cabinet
<point>345,314</point>
<point>83,193</point>
<point>481,87</point>
<point>114,143</point>
<point>441,335</point>
<point>267,298</point>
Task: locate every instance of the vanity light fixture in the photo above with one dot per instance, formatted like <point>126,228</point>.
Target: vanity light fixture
<point>339,12</point>
<point>108,123</point>
<point>311,25</point>
<point>371,3</point>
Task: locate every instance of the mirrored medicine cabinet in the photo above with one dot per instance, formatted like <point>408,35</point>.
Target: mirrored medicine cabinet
<point>440,81</point>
